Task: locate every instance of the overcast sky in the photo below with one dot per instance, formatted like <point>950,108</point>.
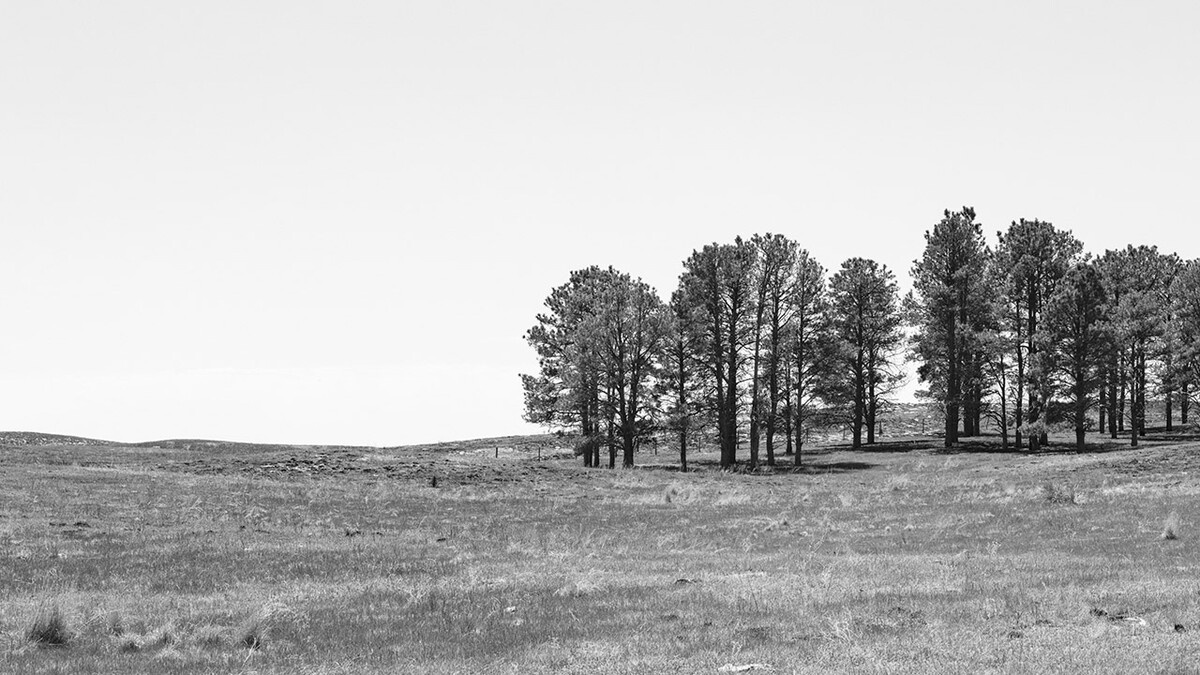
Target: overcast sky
<point>333,222</point>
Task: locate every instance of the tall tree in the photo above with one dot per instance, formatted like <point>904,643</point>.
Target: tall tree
<point>680,381</point>
<point>777,256</point>
<point>1185,328</point>
<point>1033,256</point>
<point>1134,278</point>
<point>627,331</point>
<point>1073,344</point>
<point>865,331</point>
<point>565,393</point>
<point>716,285</point>
<point>805,351</point>
<point>948,281</point>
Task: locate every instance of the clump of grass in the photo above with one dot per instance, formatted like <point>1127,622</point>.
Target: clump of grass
<point>1054,494</point>
<point>208,636</point>
<point>1171,527</point>
<point>682,494</point>
<point>579,588</point>
<point>115,624</point>
<point>165,636</point>
<point>50,629</point>
<point>252,634</point>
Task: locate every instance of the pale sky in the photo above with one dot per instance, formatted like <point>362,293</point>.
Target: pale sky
<point>332,222</point>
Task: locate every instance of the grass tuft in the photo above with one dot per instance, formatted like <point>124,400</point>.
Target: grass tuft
<point>165,636</point>
<point>252,634</point>
<point>115,624</point>
<point>208,636</point>
<point>50,629</point>
<point>1054,494</point>
<point>1171,527</point>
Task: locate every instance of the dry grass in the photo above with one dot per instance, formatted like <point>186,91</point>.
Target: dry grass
<point>865,562</point>
<point>1171,527</point>
<point>49,629</point>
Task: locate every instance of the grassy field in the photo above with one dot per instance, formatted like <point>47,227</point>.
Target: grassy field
<point>195,557</point>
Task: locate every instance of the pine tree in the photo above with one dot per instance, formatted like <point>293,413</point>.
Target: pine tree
<point>716,285</point>
<point>804,349</point>
<point>565,393</point>
<point>627,331</point>
<point>865,332</point>
<point>1073,344</point>
<point>1185,332</point>
<point>948,282</point>
<point>1033,256</point>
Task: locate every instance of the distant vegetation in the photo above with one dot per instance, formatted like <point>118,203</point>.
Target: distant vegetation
<point>757,346</point>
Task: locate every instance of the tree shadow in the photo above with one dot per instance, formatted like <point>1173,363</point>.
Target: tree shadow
<point>891,446</point>
<point>822,468</point>
<point>787,467</point>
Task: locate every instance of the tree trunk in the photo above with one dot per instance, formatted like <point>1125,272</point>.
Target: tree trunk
<point>1184,402</point>
<point>1112,398</point>
<point>1003,411</point>
<point>787,430</point>
<point>1121,396</point>
<point>1018,438</point>
<point>771,440</point>
<point>953,384</point>
<point>799,431</point>
<point>729,443</point>
<point>1141,390</point>
<point>871,420</point>
<point>1080,410</point>
<point>627,438</point>
<point>683,450</point>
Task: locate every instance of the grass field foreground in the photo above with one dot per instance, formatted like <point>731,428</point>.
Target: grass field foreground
<point>195,558</point>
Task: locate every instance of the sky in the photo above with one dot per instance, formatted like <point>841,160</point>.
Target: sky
<point>332,223</point>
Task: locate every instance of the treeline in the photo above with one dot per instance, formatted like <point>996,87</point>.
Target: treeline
<point>758,343</point>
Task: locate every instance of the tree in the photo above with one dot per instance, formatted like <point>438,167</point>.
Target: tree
<point>716,288</point>
<point>1133,280</point>
<point>865,331</point>
<point>948,282</point>
<point>1185,330</point>
<point>598,347</point>
<point>804,351</point>
<point>775,283</point>
<point>566,391</point>
<point>680,381</point>
<point>1073,343</point>
<point>627,331</point>
<point>1032,256</point>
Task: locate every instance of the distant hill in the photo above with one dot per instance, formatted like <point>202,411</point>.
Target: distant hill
<point>21,438</point>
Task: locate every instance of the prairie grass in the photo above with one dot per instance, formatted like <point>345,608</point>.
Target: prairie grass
<point>865,562</point>
<point>50,629</point>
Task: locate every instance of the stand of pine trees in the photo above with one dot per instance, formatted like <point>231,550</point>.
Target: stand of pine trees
<point>757,346</point>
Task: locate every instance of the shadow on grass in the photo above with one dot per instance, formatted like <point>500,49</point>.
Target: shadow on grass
<point>820,468</point>
<point>891,446</point>
<point>784,467</point>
